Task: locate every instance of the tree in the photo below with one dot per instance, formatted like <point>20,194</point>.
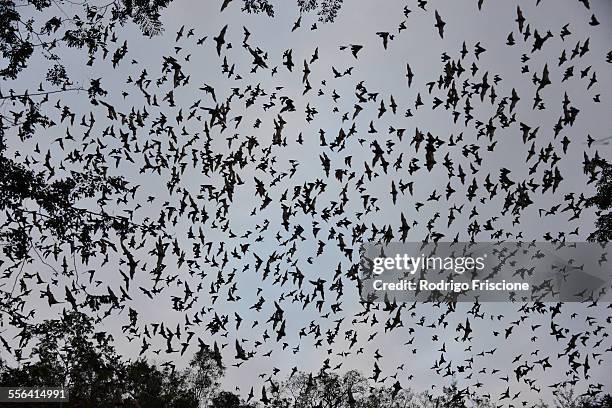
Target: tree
<point>25,29</point>
<point>601,170</point>
<point>147,386</point>
<point>329,389</point>
<point>327,10</point>
<point>567,398</point>
<point>226,399</point>
<point>56,214</point>
<point>353,389</point>
<point>43,25</point>
<point>206,369</point>
<point>70,354</point>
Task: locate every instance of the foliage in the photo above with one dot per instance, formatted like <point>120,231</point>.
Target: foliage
<point>71,354</point>
<point>226,399</point>
<point>353,389</point>
<point>206,370</point>
<point>258,6</point>
<point>56,213</point>
<point>601,170</point>
<point>327,10</point>
<point>15,51</point>
<point>567,398</point>
<point>33,25</point>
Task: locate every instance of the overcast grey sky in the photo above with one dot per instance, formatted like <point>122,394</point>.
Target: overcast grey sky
<point>381,71</point>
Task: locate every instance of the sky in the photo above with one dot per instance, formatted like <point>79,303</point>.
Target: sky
<point>381,71</point>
